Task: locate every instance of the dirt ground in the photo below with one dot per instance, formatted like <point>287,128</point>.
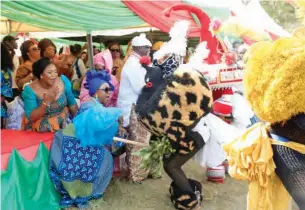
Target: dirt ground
<point>153,194</point>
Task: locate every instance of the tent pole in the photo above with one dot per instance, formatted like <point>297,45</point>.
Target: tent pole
<point>8,26</point>
<point>90,50</point>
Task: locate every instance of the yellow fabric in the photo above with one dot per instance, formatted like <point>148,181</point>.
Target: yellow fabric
<point>234,27</point>
<point>299,32</point>
<point>274,79</point>
<point>251,158</point>
<point>157,46</point>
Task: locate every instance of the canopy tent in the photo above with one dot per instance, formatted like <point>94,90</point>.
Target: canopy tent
<point>8,26</point>
<point>24,16</point>
<point>85,16</point>
<point>119,18</point>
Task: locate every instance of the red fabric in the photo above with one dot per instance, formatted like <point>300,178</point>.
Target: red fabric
<point>151,12</point>
<point>222,107</point>
<point>248,41</point>
<point>163,14</point>
<point>223,91</point>
<point>25,142</point>
<point>213,44</point>
<point>272,35</point>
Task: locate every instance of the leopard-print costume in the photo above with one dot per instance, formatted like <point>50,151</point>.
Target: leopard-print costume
<point>176,107</point>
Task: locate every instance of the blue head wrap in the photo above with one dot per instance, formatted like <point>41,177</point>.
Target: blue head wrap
<point>94,80</point>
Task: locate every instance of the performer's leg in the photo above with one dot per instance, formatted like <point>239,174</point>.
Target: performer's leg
<point>173,164</point>
<point>290,167</point>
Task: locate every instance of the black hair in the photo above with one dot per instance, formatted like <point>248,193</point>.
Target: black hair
<point>24,48</point>
<point>6,58</point>
<point>8,38</point>
<point>61,50</point>
<point>75,49</point>
<point>40,65</point>
<point>43,44</point>
<point>112,43</point>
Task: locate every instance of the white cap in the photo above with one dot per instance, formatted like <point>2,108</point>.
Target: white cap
<point>140,40</point>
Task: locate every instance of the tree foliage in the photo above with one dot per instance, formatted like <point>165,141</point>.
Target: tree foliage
<point>283,13</point>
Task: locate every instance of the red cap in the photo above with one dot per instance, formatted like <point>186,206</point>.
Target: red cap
<point>222,107</point>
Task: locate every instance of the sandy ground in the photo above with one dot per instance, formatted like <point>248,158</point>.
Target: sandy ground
<point>153,194</point>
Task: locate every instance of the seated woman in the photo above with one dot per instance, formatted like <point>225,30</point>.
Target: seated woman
<point>30,54</point>
<point>80,165</point>
<point>102,62</point>
<point>47,100</point>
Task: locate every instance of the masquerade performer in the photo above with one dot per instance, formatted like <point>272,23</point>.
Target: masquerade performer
<point>80,165</point>
<point>172,102</point>
<point>171,106</point>
<point>272,156</point>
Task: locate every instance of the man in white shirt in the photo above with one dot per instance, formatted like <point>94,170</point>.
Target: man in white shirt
<point>132,82</point>
<point>132,77</point>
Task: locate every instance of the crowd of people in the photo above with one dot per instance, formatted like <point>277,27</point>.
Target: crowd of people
<point>136,96</point>
<point>59,93</point>
<point>46,91</point>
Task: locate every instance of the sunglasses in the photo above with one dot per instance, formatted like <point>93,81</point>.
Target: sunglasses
<point>115,50</point>
<point>106,90</point>
<point>34,49</point>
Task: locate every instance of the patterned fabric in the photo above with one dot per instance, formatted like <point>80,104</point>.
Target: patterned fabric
<point>54,118</point>
<point>139,134</point>
<point>4,113</point>
<point>79,162</point>
<point>55,115</point>
<point>6,90</point>
<point>6,83</point>
<point>79,173</point>
<point>290,167</point>
<point>15,113</point>
<point>169,65</point>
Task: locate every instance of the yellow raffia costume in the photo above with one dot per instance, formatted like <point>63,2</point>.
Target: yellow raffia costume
<point>274,82</point>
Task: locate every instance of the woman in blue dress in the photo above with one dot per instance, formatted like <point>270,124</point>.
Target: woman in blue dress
<point>81,166</point>
<point>48,100</point>
<point>6,81</point>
